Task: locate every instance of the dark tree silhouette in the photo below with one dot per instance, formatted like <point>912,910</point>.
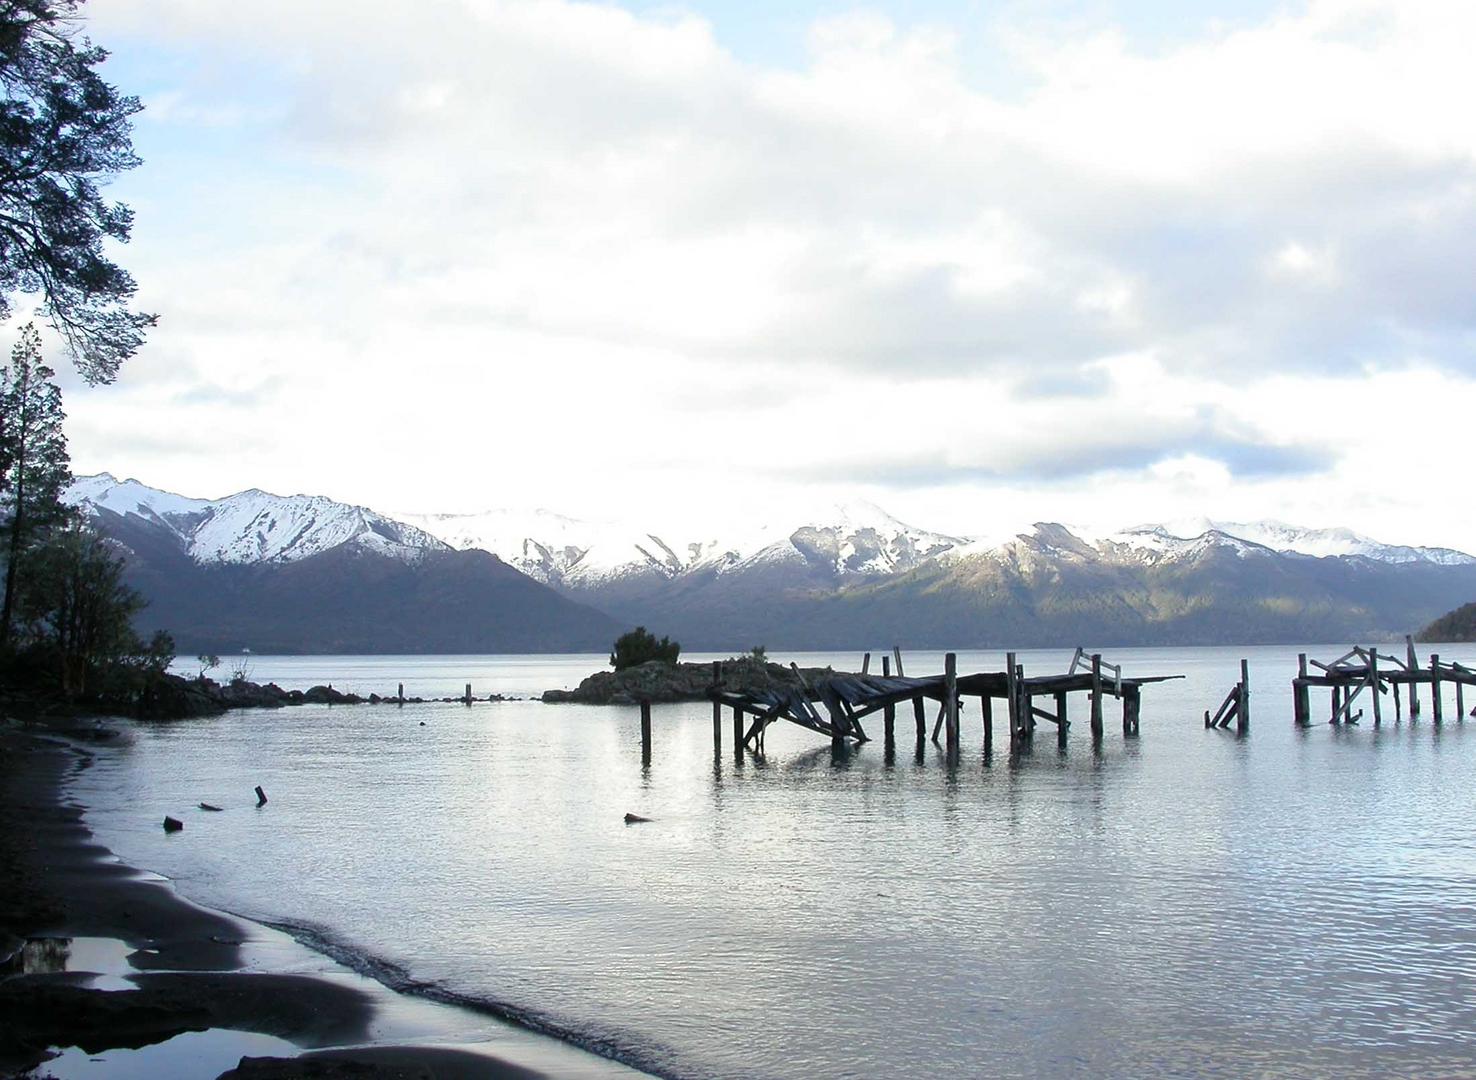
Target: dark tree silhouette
<point>34,467</point>
<point>63,131</point>
<point>640,645</point>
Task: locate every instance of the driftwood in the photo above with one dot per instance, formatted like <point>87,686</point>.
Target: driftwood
<point>207,806</point>
<point>261,796</point>
<point>635,819</point>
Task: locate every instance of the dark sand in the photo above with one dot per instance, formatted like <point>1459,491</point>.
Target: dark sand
<point>186,962</point>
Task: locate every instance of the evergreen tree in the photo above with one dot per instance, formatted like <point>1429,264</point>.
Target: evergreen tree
<point>63,132</point>
<point>34,467</point>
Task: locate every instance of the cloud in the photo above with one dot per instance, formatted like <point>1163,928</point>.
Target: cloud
<point>515,231</point>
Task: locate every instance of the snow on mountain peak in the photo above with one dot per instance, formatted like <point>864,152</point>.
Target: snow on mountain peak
<point>254,525</point>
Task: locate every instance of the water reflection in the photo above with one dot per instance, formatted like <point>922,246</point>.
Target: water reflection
<point>1079,911</point>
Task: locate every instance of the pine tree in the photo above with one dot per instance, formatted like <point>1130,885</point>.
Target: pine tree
<point>64,132</point>
<point>34,467</point>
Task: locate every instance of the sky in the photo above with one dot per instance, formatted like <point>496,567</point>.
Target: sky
<point>697,264</point>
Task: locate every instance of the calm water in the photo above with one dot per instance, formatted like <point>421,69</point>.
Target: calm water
<point>1182,904</point>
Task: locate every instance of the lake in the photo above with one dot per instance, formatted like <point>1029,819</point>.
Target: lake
<point>1184,903</point>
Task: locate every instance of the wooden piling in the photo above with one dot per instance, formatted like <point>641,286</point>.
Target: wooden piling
<point>1132,708</point>
<point>866,664</point>
<point>468,698</point>
<point>1300,711</point>
<point>737,731</point>
<point>1374,685</point>
<point>1061,725</point>
<point>1242,712</point>
<point>717,707</point>
<point>889,712</point>
<point>645,733</point>
<point>1460,701</point>
<point>950,702</point>
<point>986,707</point>
<point>1436,705</point>
<point>1096,697</point>
<point>1337,703</point>
<point>897,656</point>
<point>1012,700</point>
<point>837,723</point>
<point>1414,670</point>
<point>400,697</point>
<point>920,717</point>
<point>1398,705</point>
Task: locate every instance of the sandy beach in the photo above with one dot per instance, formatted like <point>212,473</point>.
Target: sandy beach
<point>103,964</point>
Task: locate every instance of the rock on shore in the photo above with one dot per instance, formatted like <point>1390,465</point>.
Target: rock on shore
<point>659,682</point>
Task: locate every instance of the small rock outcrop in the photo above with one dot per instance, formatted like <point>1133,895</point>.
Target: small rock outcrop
<point>659,682</point>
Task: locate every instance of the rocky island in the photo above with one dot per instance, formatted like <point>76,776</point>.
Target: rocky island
<point>660,682</point>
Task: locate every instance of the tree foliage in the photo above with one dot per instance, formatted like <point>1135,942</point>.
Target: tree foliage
<point>639,646</point>
<point>78,613</point>
<point>34,466</point>
<point>63,132</point>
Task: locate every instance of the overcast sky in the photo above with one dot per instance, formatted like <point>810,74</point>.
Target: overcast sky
<point>981,263</point>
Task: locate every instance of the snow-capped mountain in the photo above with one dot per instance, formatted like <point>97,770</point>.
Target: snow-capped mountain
<point>252,526</point>
<point>848,574</point>
<point>851,540</point>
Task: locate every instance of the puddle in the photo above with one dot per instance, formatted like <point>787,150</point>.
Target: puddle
<point>106,959</point>
<point>195,1053</point>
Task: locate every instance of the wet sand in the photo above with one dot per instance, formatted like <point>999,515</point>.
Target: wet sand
<point>180,968</point>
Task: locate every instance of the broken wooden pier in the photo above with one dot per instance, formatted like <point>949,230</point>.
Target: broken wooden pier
<point>836,707</point>
<point>1361,670</point>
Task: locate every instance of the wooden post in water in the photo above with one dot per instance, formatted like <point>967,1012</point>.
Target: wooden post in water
<point>468,698</point>
<point>920,717</point>
<point>866,664</point>
<point>1436,705</point>
<point>1242,711</point>
<point>1061,726</point>
<point>950,703</point>
<point>1460,700</point>
<point>645,732</point>
<point>1337,703</point>
<point>1012,700</point>
<point>837,722</point>
<point>897,656</point>
<point>1132,708</point>
<point>986,707</point>
<point>1300,705</point>
<point>1096,697</point>
<point>1373,684</point>
<point>1414,671</point>
<point>889,712</point>
<point>717,707</point>
<point>737,731</point>
<point>1398,712</point>
<point>400,699</point>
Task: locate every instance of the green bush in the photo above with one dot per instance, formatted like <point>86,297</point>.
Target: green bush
<point>640,646</point>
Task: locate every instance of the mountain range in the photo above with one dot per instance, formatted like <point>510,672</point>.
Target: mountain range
<point>308,574</point>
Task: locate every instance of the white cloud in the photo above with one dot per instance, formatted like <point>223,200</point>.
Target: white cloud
<point>518,235</point>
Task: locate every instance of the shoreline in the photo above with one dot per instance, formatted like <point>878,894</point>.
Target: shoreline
<point>152,969</point>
